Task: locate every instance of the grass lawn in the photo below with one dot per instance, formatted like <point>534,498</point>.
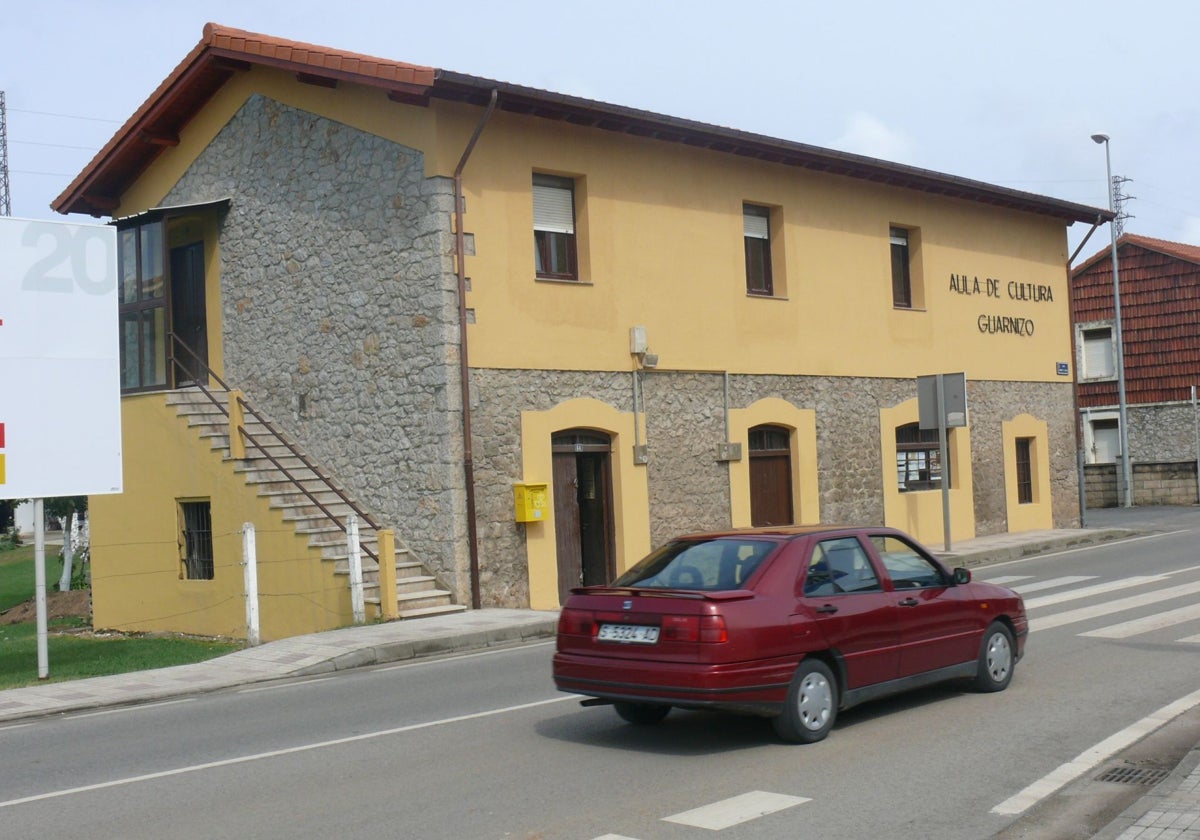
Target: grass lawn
<point>16,574</point>
<point>73,651</point>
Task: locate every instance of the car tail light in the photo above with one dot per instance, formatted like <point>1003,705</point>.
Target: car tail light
<point>577,623</point>
<point>694,628</point>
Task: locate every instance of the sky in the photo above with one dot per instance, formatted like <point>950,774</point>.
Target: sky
<point>1003,92</point>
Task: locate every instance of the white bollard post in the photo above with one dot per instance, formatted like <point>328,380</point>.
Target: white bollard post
<point>357,604</point>
<point>250,574</point>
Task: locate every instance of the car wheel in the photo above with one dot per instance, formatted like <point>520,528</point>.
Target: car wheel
<point>996,659</point>
<point>811,705</point>
<point>641,714</point>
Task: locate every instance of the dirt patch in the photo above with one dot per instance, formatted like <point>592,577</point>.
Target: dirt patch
<point>58,605</point>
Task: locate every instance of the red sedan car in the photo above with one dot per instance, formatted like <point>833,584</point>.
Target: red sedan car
<point>791,623</point>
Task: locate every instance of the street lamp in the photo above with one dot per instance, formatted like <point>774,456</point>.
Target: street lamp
<point>1126,466</point>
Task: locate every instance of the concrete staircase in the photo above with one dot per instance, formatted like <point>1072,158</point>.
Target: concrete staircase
<point>417,591</point>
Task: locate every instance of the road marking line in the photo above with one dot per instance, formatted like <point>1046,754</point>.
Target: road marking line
<point>1052,583</point>
<point>1189,640</point>
<point>1084,613</point>
<point>135,708</point>
<point>1090,547</point>
<point>277,686</point>
<point>1005,580</point>
<point>613,837</point>
<point>1145,625</point>
<point>736,810</point>
<point>1089,591</point>
<point>457,657</point>
<point>365,736</point>
<point>1064,774</point>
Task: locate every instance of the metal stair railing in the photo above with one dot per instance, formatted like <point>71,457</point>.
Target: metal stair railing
<point>174,364</point>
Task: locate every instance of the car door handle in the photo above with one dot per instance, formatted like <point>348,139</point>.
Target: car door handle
<point>827,608</point>
<point>909,602</point>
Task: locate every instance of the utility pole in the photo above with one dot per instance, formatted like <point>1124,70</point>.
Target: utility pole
<point>5,198</point>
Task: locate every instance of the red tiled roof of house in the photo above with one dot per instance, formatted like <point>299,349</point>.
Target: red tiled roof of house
<point>223,52</point>
<point>1160,314</point>
<point>1179,250</point>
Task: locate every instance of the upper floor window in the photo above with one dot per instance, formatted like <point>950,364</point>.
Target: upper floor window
<point>902,292</point>
<point>756,226</point>
<point>1097,354</point>
<point>555,248</point>
<point>143,306</point>
<point>918,458</point>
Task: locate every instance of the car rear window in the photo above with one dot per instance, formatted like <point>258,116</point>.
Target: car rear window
<point>713,565</point>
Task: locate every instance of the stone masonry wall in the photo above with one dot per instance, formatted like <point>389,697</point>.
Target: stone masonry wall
<point>338,300</point>
<point>1162,432</point>
<point>689,488</point>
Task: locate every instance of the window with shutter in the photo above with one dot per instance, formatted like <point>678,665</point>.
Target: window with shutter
<point>1098,361</point>
<point>554,227</point>
<point>756,232</point>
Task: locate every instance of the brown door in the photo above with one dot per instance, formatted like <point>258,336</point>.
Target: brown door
<point>770,476</point>
<point>582,509</point>
<point>188,320</point>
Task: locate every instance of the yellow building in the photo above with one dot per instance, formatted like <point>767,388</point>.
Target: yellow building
<point>536,335</point>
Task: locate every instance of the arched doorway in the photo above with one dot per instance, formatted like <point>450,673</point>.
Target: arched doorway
<point>583,519</point>
<point>770,476</point>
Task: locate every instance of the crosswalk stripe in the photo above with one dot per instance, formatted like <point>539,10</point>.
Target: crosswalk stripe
<point>1089,591</point>
<point>1145,625</point>
<point>1052,583</point>
<point>1133,601</point>
<point>1189,640</point>
<point>1005,580</point>
<point>736,809</point>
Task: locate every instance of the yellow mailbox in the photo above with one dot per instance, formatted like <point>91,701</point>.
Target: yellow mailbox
<point>532,502</point>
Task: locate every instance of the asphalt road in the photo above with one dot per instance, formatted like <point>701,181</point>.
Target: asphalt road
<point>482,746</point>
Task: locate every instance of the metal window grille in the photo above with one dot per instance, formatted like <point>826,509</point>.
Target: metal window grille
<point>197,542</point>
<point>1024,471</point>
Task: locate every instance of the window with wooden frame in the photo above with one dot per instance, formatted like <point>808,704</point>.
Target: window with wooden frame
<point>196,540</point>
<point>919,459</point>
<point>554,239</point>
<point>1025,471</point>
<point>756,233</point>
<point>902,293</point>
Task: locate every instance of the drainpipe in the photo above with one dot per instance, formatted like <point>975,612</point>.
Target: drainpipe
<point>464,367</point>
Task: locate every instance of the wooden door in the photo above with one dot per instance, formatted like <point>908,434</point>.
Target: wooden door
<point>583,520</point>
<point>770,476</point>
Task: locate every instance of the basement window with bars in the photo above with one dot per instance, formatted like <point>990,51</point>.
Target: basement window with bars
<point>196,543</point>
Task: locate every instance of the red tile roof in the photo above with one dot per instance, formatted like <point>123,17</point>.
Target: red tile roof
<point>1160,317</point>
<point>223,52</point>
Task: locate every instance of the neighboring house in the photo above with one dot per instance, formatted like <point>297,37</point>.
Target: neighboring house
<point>664,325</point>
<point>1160,330</point>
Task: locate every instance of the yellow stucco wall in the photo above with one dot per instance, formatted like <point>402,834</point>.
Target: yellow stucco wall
<point>660,238</point>
<point>802,423</point>
<point>631,506</point>
<point>920,512</point>
<point>1039,514</point>
<point>660,232</point>
<point>137,575</point>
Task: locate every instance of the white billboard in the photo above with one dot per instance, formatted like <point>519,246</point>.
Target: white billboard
<point>60,390</point>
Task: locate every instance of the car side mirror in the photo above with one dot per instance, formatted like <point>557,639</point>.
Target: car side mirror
<point>962,576</point>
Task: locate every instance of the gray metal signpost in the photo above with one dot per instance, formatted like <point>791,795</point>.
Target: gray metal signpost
<point>942,405</point>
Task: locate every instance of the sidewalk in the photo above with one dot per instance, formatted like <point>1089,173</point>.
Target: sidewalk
<point>1171,810</point>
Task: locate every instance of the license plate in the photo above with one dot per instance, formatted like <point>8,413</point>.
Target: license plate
<point>638,634</point>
